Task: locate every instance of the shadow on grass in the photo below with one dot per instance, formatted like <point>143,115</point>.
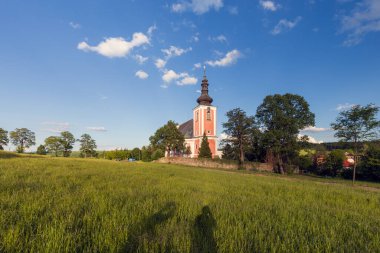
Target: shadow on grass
<point>203,233</point>
<point>146,230</point>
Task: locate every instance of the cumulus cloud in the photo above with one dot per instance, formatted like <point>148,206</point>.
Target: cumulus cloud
<point>96,128</point>
<point>115,47</point>
<point>140,59</point>
<point>310,139</point>
<point>269,5</point>
<point>314,129</point>
<point>342,107</point>
<point>175,51</point>
<point>197,6</point>
<point>160,63</point>
<point>142,74</point>
<point>285,25</point>
<point>197,65</point>
<point>75,25</point>
<point>229,59</point>
<point>180,78</point>
<point>363,19</point>
<point>151,29</point>
<point>220,38</point>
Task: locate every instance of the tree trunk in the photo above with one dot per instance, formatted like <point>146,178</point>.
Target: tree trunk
<point>280,164</point>
<point>241,157</point>
<point>355,162</point>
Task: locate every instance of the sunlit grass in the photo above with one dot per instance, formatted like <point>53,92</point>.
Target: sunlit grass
<point>62,205</point>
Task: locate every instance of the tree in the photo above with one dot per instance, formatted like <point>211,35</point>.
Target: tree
<point>282,117</point>
<point>188,151</point>
<point>204,150</point>
<point>229,153</point>
<point>136,153</point>
<point>22,138</point>
<point>54,145</point>
<point>41,150</point>
<point>356,125</point>
<point>3,138</point>
<point>168,138</point>
<point>87,146</point>
<point>157,154</point>
<point>67,140</point>
<point>239,128</point>
<point>370,164</point>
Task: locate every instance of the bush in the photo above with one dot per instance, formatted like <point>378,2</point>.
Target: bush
<point>157,154</point>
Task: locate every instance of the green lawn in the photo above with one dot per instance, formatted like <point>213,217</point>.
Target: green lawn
<point>66,205</point>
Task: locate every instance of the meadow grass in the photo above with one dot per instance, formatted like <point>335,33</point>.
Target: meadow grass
<point>88,205</point>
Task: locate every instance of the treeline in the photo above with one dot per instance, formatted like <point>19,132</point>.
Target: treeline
<point>61,145</point>
<point>145,154</point>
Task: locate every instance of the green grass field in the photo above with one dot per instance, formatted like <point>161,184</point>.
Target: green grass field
<point>66,205</point>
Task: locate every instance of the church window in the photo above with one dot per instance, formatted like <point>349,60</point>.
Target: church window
<point>208,113</point>
<point>208,131</point>
<point>196,116</point>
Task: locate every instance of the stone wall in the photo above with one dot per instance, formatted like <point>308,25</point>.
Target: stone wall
<point>217,164</point>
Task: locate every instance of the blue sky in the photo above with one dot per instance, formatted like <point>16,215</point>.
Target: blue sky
<point>118,70</point>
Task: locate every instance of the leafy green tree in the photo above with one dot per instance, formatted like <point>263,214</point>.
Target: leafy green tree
<point>168,138</point>
<point>188,151</point>
<point>22,138</point>
<point>356,125</point>
<point>3,138</point>
<point>146,154</point>
<point>41,150</point>
<point>87,146</point>
<point>67,140</point>
<point>228,152</point>
<point>334,163</point>
<point>136,154</point>
<point>54,145</point>
<point>239,129</point>
<point>157,154</point>
<point>282,117</point>
<point>204,150</point>
<point>370,165</point>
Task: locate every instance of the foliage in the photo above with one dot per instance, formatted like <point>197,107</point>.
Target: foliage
<point>22,138</point>
<point>136,154</point>
<point>239,128</point>
<point>282,117</point>
<point>334,163</point>
<point>73,205</point>
<point>229,153</point>
<point>67,140</point>
<point>356,125</point>
<point>369,168</point>
<point>54,145</point>
<point>168,138</point>
<point>87,146</point>
<point>157,154</point>
<point>3,138</point>
<point>146,154</point>
<point>117,154</point>
<point>41,150</point>
<point>204,150</point>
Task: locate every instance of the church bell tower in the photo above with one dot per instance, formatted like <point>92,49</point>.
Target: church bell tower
<point>204,119</point>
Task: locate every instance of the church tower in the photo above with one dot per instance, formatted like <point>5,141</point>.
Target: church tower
<point>204,120</point>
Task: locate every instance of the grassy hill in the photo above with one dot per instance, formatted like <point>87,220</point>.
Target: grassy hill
<point>61,205</point>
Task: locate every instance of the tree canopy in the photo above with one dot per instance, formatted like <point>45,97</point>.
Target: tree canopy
<point>22,138</point>
<point>204,150</point>
<point>54,145</point>
<point>87,146</point>
<point>356,125</point>
<point>239,129</point>
<point>67,140</point>
<point>168,138</point>
<point>282,117</point>
<point>3,138</point>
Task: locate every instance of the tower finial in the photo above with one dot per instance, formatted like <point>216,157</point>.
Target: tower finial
<point>204,70</point>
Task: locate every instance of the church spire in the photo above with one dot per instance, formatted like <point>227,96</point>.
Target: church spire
<point>204,98</point>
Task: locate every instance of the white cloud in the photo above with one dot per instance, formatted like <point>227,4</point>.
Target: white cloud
<point>197,65</point>
<point>363,19</point>
<point>233,10</point>
<point>151,29</point>
<point>269,5</point>
<point>115,47</point>
<point>142,74</point>
<point>55,127</point>
<point>75,25</point>
<point>181,78</point>
<point>314,129</point>
<point>195,38</point>
<point>229,59</point>
<point>160,63</point>
<point>197,6</point>
<point>97,129</point>
<point>342,107</point>
<point>285,25</point>
<point>220,38</point>
<point>311,139</point>
<point>140,59</point>
<point>175,51</point>
<point>188,80</point>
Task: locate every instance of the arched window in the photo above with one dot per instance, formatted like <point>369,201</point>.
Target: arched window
<point>208,113</point>
<point>196,116</point>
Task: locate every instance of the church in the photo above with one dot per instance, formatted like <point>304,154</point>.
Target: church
<point>203,121</point>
